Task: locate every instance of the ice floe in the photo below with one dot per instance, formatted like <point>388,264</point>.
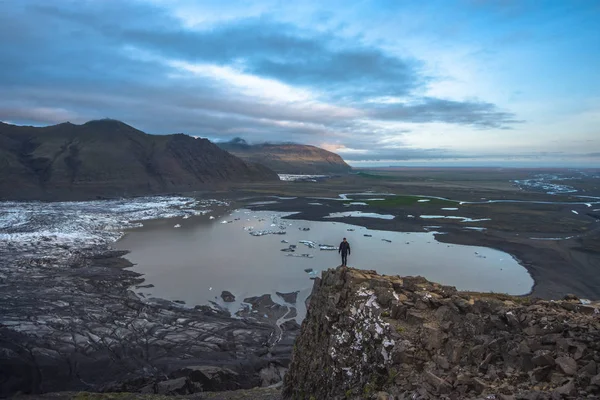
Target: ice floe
<point>297,177</point>
<point>552,238</point>
<point>359,214</point>
<point>546,183</point>
<point>327,247</point>
<point>263,203</point>
<point>462,219</point>
<point>57,228</point>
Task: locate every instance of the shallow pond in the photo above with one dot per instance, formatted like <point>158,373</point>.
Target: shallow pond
<point>203,257</point>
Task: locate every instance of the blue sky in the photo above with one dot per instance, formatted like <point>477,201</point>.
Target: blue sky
<point>379,82</point>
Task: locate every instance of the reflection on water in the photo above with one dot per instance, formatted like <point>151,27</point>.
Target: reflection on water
<point>196,262</point>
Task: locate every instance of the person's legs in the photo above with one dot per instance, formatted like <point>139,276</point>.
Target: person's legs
<point>344,258</point>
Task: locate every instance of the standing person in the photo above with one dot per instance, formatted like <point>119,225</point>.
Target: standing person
<point>344,250</point>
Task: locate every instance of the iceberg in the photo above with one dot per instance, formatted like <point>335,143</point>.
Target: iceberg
<point>327,247</point>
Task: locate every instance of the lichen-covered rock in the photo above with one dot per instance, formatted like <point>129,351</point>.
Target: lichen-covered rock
<point>368,336</point>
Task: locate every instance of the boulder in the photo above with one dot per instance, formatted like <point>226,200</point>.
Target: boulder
<point>567,365</point>
<point>290,297</point>
<point>227,296</point>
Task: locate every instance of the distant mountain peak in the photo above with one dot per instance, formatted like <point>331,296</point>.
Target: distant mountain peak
<point>288,158</point>
<point>106,122</point>
<point>237,142</point>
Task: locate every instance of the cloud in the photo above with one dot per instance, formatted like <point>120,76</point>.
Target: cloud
<point>258,78</point>
<point>258,46</point>
<point>37,114</point>
<point>476,113</point>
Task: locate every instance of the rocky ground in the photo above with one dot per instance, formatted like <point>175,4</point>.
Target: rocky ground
<point>242,394</point>
<point>371,336</point>
<point>70,320</point>
<point>79,327</point>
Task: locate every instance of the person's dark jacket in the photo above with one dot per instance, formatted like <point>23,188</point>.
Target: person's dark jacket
<point>344,248</point>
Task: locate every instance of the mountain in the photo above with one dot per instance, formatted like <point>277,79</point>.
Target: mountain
<point>106,158</point>
<point>288,158</point>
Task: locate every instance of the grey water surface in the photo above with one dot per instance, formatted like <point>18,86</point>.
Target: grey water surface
<point>203,257</point>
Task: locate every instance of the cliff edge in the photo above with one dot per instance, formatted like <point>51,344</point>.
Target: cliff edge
<point>368,336</point>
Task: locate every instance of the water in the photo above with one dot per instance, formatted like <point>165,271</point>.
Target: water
<point>359,214</point>
<point>203,257</point>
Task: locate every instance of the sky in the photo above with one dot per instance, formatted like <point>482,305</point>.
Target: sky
<point>381,82</point>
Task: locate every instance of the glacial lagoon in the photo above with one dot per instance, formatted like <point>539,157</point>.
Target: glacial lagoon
<point>236,252</point>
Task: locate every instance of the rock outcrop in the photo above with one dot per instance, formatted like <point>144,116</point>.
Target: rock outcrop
<point>76,325</point>
<point>288,158</point>
<point>108,158</point>
<point>368,336</point>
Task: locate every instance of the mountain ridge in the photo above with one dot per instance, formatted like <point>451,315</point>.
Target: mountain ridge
<point>107,158</point>
<point>288,158</point>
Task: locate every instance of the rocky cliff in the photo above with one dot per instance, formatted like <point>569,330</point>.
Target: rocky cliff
<point>368,336</point>
<point>288,158</point>
<point>109,158</point>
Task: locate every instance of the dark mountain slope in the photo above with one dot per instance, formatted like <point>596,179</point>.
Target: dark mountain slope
<point>110,158</point>
<point>288,158</point>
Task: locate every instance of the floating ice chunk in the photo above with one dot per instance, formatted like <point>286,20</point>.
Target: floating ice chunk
<point>450,208</point>
<point>269,232</point>
<point>423,200</point>
<point>262,203</point>
<point>327,247</point>
<point>360,214</point>
<point>177,226</point>
<point>386,240</point>
<point>308,243</point>
<point>574,212</point>
<point>462,219</point>
<point>296,177</point>
<point>300,255</point>
<point>211,217</point>
<point>186,216</point>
